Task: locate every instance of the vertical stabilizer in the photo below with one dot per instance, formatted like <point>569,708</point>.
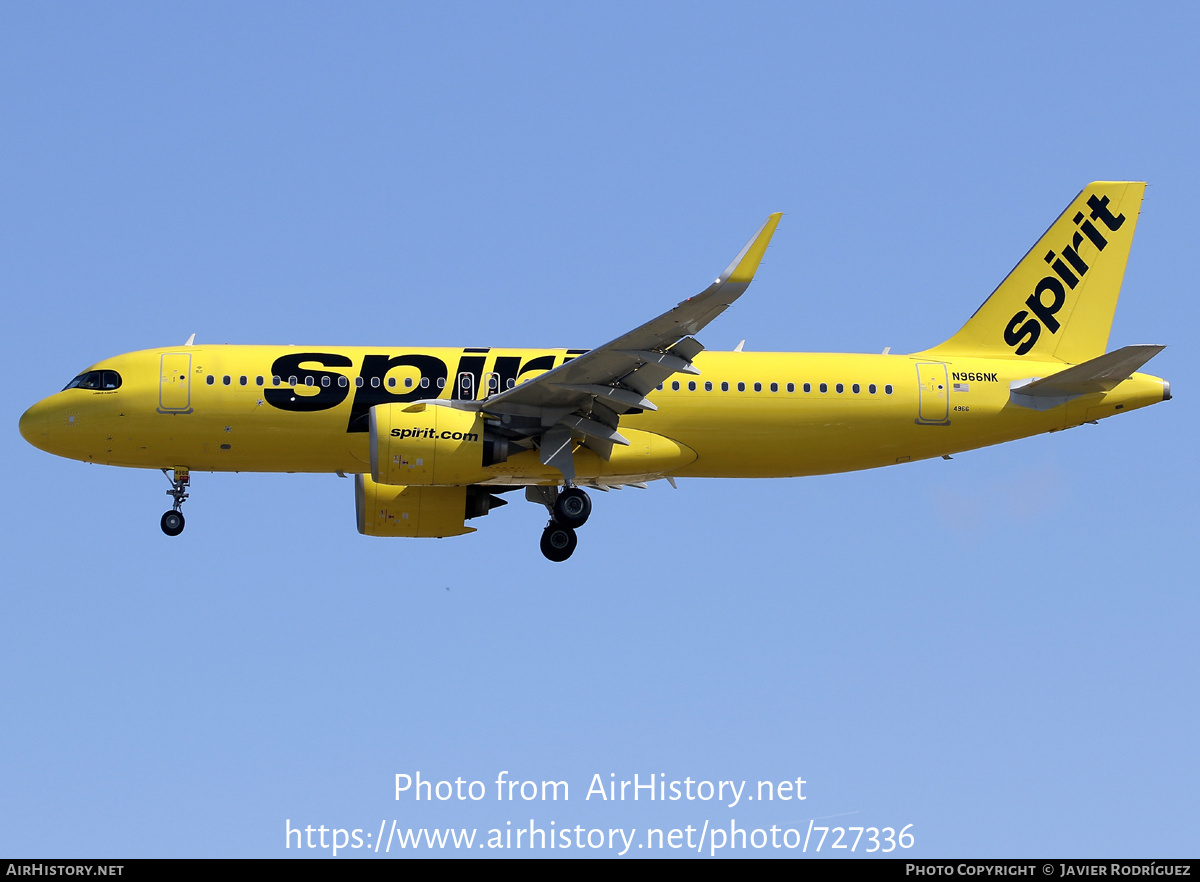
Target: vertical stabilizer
<point>1058,302</point>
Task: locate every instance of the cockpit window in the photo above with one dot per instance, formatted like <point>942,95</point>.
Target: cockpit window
<point>95,380</point>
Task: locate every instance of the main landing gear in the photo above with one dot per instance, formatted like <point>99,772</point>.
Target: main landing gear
<point>558,542</point>
<point>569,509</point>
<point>172,521</point>
<point>572,507</point>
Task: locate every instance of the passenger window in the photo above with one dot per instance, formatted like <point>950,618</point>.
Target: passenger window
<point>707,386</point>
<point>856,388</point>
<point>659,387</point>
<point>241,381</point>
<point>691,385</point>
<point>791,387</point>
<point>324,381</point>
<point>258,381</point>
<point>308,381</point>
<point>358,382</point>
<point>275,381</point>
<point>871,388</point>
<point>374,382</point>
<point>808,387</point>
<point>758,387</point>
<point>824,387</point>
<point>342,381</point>
<point>408,382</point>
<point>512,381</point>
<point>292,381</point>
<point>391,382</point>
<point>424,382</point>
<point>210,379</point>
<point>675,386</point>
<point>741,387</point>
<point>887,390</point>
<point>225,379</point>
<point>724,387</point>
<point>774,387</point>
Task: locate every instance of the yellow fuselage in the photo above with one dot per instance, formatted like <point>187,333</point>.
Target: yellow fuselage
<point>746,415</point>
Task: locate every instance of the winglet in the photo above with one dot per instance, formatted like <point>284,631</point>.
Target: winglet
<point>746,263</point>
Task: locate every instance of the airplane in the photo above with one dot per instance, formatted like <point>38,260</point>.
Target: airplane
<point>434,437</point>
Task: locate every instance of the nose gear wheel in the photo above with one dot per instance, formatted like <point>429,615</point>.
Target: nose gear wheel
<point>172,523</point>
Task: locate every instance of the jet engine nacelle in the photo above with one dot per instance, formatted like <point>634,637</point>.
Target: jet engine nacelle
<point>419,512</point>
<point>423,444</point>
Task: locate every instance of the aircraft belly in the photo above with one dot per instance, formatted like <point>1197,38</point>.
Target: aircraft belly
<point>802,440</point>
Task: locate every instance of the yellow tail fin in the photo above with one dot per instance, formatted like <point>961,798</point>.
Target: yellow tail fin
<point>1058,302</point>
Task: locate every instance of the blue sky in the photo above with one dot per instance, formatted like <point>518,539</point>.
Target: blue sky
<point>998,650</point>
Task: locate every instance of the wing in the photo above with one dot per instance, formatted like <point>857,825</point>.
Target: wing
<point>584,399</point>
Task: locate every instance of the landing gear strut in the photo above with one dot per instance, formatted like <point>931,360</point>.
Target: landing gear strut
<point>569,510</point>
<point>172,521</point>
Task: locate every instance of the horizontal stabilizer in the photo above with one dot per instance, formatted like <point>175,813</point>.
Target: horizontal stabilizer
<point>1099,374</point>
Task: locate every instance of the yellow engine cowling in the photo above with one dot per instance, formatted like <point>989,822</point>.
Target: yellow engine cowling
<point>416,512</point>
<point>426,445</point>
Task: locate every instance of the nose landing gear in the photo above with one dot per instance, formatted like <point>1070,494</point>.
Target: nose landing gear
<point>172,521</point>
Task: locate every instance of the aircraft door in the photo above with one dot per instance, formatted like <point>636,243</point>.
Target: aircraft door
<point>174,385</point>
<point>934,391</point>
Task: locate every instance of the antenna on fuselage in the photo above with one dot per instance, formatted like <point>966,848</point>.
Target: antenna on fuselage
<point>191,340</point>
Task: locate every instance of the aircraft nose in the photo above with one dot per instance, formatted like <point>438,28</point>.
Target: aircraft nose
<point>35,426</point>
